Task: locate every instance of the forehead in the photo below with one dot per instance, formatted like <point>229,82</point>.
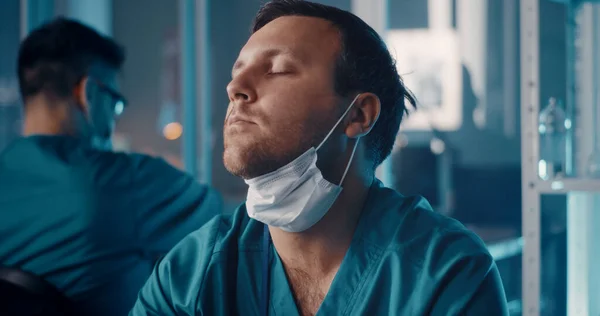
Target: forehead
<point>306,38</point>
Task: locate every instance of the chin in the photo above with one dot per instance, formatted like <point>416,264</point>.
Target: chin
<point>234,162</point>
<point>248,163</point>
<point>249,157</point>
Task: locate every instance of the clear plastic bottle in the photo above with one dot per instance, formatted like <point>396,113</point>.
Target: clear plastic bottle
<point>552,126</point>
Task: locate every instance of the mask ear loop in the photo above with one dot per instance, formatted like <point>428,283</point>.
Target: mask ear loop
<point>349,161</point>
<point>338,122</point>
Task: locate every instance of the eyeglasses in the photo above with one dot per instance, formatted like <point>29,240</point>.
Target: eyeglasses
<point>119,102</point>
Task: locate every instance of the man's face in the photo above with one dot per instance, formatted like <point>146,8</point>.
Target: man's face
<point>282,98</point>
<point>105,103</point>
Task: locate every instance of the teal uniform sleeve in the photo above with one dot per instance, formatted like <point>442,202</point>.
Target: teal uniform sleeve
<point>170,204</point>
<point>470,283</point>
<point>174,286</point>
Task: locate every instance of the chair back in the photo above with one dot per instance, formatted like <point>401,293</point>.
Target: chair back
<point>26,294</point>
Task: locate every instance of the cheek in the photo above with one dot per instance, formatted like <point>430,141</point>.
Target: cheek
<point>292,111</point>
<point>284,120</point>
<point>293,134</point>
<point>286,107</point>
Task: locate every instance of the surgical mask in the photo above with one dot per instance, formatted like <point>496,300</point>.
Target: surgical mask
<point>295,196</point>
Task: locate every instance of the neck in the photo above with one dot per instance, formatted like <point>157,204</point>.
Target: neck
<point>320,249</point>
<point>44,116</point>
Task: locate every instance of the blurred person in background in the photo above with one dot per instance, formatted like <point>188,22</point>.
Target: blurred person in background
<point>315,105</point>
<point>90,221</point>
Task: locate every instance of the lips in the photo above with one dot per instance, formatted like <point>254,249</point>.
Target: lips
<point>238,119</point>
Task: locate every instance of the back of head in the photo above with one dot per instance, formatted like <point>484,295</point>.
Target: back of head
<point>56,56</point>
<point>54,64</point>
<point>364,65</point>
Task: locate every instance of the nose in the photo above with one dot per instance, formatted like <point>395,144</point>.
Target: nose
<point>240,90</point>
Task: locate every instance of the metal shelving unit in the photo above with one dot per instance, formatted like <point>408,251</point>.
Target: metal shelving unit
<point>583,199</point>
<point>530,107</point>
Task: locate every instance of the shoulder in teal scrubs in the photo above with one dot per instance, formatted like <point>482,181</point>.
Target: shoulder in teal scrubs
<point>404,260</point>
<point>93,223</point>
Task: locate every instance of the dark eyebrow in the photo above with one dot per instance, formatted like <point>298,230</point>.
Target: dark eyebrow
<point>269,53</point>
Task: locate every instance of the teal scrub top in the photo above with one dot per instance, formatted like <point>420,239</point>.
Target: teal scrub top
<point>93,223</point>
<point>404,259</point>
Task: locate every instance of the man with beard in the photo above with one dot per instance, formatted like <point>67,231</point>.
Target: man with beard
<point>315,105</point>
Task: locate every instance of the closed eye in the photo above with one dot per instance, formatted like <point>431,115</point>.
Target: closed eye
<point>279,73</point>
<point>280,67</point>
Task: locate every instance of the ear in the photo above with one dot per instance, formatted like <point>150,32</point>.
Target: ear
<point>363,115</point>
<point>80,94</point>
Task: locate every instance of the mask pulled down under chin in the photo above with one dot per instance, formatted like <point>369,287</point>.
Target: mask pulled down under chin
<point>292,198</point>
<point>295,196</point>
